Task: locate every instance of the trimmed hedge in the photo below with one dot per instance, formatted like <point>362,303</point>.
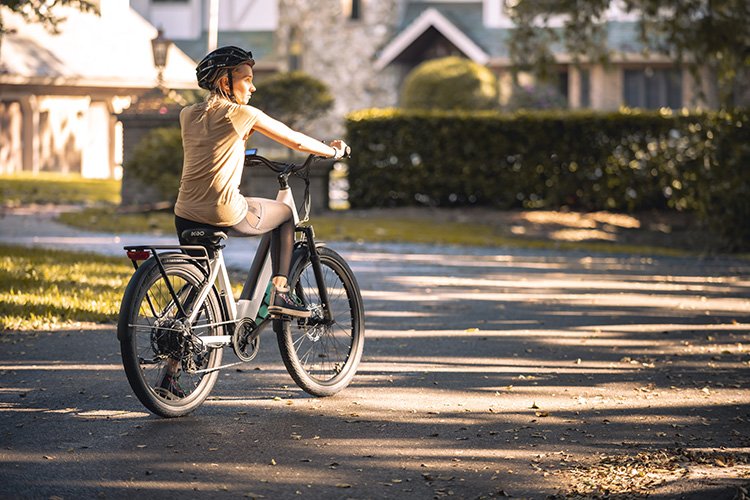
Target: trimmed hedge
<point>625,161</point>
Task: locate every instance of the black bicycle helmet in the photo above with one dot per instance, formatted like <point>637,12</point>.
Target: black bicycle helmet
<point>224,57</point>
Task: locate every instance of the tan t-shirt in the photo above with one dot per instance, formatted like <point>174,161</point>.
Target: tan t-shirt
<point>214,146</point>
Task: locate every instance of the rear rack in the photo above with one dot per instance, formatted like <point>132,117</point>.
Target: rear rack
<point>142,252</point>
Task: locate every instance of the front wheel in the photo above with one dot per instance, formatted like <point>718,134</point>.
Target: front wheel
<point>167,366</point>
<point>322,355</point>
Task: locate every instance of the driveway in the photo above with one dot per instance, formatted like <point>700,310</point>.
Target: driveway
<point>486,373</point>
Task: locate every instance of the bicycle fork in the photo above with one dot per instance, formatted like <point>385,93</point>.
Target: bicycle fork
<point>317,270</point>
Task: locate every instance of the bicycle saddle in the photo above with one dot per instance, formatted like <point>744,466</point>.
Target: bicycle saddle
<point>209,238</point>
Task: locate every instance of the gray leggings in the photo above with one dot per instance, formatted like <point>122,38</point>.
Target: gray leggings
<point>264,215</point>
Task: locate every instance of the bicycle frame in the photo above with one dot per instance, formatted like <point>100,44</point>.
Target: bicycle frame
<point>253,292</point>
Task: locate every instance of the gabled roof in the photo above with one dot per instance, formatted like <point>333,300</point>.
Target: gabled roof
<point>431,18</point>
<point>108,51</point>
<point>468,20</point>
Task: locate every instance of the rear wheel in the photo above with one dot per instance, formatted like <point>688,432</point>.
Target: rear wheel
<point>162,355</point>
<point>322,355</point>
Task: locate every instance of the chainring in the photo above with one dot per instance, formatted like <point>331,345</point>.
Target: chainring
<point>245,344</point>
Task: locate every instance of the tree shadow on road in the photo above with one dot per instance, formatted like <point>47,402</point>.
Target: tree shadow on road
<point>483,375</point>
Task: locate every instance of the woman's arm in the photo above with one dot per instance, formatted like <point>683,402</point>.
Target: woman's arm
<point>282,134</point>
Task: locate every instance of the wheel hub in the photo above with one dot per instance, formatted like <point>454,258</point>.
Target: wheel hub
<point>167,336</point>
<point>316,325</point>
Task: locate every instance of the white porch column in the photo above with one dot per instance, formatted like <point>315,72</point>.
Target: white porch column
<point>30,133</point>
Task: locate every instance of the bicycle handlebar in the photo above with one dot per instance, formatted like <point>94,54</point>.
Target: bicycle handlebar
<point>280,167</point>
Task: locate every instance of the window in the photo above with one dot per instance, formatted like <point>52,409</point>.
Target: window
<point>652,88</point>
<point>295,49</point>
<point>352,9</point>
<point>562,86</point>
<point>356,13</point>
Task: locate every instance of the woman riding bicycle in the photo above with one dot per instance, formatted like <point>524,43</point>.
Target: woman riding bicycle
<point>213,139</point>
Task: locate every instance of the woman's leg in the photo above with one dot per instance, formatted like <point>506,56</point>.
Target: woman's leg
<point>270,215</point>
<point>282,244</point>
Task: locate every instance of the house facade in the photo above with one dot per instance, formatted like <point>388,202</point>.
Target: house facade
<point>60,94</point>
<point>363,49</point>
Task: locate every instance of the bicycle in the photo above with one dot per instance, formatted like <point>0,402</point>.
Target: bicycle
<point>178,312</point>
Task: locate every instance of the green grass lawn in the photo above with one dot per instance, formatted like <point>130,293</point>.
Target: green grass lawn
<point>43,289</point>
<point>43,188</point>
<point>48,289</point>
<point>373,229</point>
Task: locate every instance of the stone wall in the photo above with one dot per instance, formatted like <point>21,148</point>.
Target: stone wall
<point>340,52</point>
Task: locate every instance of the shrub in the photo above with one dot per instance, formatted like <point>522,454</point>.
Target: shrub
<point>724,201</point>
<point>157,162</point>
<point>293,98</point>
<point>586,161</point>
<point>450,83</point>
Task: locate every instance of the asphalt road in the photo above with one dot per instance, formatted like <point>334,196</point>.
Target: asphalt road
<point>486,373</point>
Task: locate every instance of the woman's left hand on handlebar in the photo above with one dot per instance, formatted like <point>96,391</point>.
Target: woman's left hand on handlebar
<point>342,150</point>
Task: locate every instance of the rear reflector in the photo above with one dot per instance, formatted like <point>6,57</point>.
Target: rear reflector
<point>138,254</point>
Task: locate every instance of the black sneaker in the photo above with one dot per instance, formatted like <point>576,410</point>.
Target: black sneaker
<point>169,387</point>
<point>283,303</point>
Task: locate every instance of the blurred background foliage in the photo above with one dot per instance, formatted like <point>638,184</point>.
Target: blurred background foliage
<point>156,162</point>
<point>711,39</point>
<point>294,98</point>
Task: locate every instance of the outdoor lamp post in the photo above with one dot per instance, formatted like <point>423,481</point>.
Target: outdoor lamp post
<point>160,47</point>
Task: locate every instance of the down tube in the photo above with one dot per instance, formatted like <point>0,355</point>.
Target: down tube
<point>256,282</point>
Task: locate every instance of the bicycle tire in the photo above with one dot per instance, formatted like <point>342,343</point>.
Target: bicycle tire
<point>150,340</point>
<point>323,358</point>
